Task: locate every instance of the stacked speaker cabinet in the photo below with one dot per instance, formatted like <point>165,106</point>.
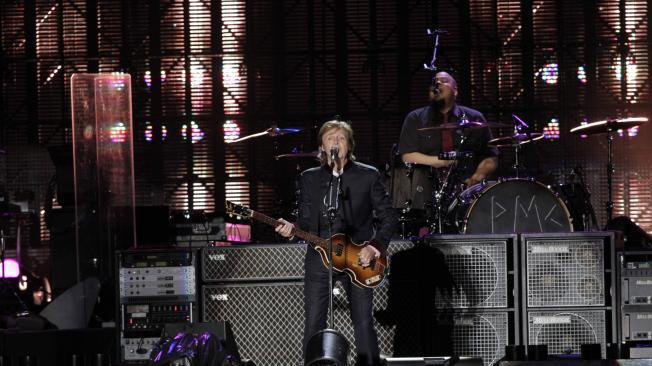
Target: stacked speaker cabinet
<point>471,295</point>
<point>568,280</point>
<point>155,287</point>
<point>259,290</point>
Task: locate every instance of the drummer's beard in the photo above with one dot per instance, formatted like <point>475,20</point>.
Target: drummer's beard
<point>437,105</point>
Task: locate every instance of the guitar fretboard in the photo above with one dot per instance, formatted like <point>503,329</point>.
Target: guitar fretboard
<point>314,239</point>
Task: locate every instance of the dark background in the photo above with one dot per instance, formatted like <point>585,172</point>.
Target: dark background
<point>297,64</point>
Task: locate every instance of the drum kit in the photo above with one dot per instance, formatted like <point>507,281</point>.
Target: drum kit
<point>432,202</point>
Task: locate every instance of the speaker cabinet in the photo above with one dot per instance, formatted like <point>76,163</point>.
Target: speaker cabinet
<point>568,282</point>
<point>478,268</point>
<point>268,317</point>
<point>464,288</point>
<point>480,334</point>
<point>564,331</point>
<point>257,262</point>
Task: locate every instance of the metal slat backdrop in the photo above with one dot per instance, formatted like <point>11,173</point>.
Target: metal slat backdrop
<point>238,65</point>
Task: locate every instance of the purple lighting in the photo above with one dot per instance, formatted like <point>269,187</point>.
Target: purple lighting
<point>9,269</point>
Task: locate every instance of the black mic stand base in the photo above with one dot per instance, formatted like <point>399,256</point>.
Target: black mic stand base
<point>327,345</point>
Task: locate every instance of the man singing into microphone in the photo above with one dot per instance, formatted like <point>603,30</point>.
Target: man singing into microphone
<point>355,193</point>
<point>423,147</point>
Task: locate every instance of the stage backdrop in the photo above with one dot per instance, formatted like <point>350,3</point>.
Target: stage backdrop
<point>206,71</point>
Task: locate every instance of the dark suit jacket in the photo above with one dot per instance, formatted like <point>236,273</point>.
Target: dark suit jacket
<point>362,197</point>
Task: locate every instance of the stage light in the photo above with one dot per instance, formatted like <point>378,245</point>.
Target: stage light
<point>148,78</point>
<point>119,84</point>
<point>231,131</point>
<point>581,74</point>
<point>9,268</point>
<point>196,74</point>
<point>118,132</point>
<point>149,135</point>
<point>551,131</point>
<point>550,73</point>
<point>196,133</point>
<point>631,68</point>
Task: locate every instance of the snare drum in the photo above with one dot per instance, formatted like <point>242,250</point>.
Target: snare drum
<point>510,206</point>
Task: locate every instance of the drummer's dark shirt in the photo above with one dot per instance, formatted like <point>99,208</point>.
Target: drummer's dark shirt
<point>430,142</point>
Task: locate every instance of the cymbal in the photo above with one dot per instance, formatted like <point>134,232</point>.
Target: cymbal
<point>609,125</point>
<point>517,139</point>
<point>469,124</point>
<point>272,132</point>
<point>299,155</point>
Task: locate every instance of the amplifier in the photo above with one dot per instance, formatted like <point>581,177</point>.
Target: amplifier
<point>267,318</point>
<point>636,290</point>
<point>637,324</point>
<point>151,275</point>
<point>146,317</point>
<point>257,262</point>
<point>137,350</point>
<point>475,271</point>
<point>262,262</point>
<point>568,269</point>
<point>157,281</point>
<point>635,296</point>
<point>155,287</point>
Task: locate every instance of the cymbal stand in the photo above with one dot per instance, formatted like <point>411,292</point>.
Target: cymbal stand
<point>517,148</point>
<point>519,125</point>
<point>438,197</point>
<point>439,193</point>
<point>610,169</point>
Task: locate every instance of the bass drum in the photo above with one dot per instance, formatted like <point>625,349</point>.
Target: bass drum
<point>511,206</point>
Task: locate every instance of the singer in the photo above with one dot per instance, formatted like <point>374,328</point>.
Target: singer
<point>423,147</point>
<point>356,193</point>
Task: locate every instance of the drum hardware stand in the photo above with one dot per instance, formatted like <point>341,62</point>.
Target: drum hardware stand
<point>519,125</point>
<point>588,216</point>
<point>610,168</point>
<point>438,197</point>
<point>439,194</point>
<point>434,33</point>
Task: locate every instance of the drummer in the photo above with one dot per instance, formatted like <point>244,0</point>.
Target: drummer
<point>424,147</point>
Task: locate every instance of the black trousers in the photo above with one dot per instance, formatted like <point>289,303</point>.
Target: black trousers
<point>360,303</point>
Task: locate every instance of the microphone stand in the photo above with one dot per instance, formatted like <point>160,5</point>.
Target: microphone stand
<point>328,344</point>
<point>434,33</point>
<point>332,215</point>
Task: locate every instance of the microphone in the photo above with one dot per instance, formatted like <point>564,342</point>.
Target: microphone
<point>435,32</point>
<point>335,150</point>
